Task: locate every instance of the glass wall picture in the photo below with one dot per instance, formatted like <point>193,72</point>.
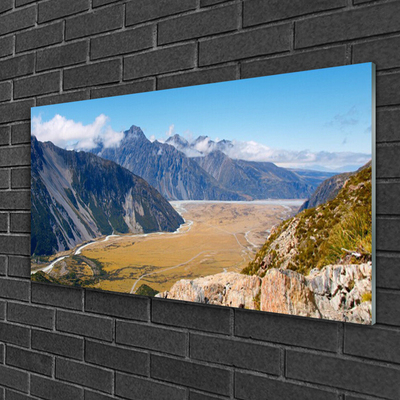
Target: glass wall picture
<point>255,193</point>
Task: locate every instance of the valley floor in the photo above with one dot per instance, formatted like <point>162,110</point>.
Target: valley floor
<point>216,237</point>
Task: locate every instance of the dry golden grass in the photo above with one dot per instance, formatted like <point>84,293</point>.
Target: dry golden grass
<point>215,242</point>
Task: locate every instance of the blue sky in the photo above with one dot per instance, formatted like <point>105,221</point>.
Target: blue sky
<point>326,110</point>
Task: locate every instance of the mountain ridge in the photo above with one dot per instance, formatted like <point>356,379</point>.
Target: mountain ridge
<point>77,196</point>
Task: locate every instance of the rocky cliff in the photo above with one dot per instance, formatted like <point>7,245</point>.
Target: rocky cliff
<point>336,292</point>
<point>77,196</point>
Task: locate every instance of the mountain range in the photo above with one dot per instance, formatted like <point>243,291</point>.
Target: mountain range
<point>77,196</point>
<point>180,171</point>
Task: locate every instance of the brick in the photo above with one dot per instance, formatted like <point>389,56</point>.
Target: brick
<point>37,85</point>
<point>14,378</point>
<point>5,135</point>
<point>160,61</point>
<point>258,42</point>
<point>6,46</point>
<point>16,66</point>
<point>14,200</point>
<point>200,77</point>
<point>31,315</point>
<point>12,395</point>
<point>151,337</point>
<point>4,222</point>
<point>56,343</point>
<point>14,334</point>
<point>324,58</point>
<point>386,198</point>
<point>197,376</point>
<point>145,85</point>
<point>19,266</point>
<point>29,360</point>
<point>2,310</point>
<point>5,91</point>
<point>382,52</point>
<point>249,387</point>
<point>85,375</point>
<point>362,377</point>
<point>387,311</point>
<point>124,42</point>
<point>387,122</point>
<point>93,74</point>
<point>103,20</point>
<point>17,20</point>
<point>347,25</point>
<point>387,272</point>
<point>372,342</point>
<point>19,3</point>
<point>146,10</point>
<point>63,98</point>
<point>16,245</point>
<point>387,234</point>
<point>51,9</point>
<point>193,316</point>
<point>386,161</point>
<point>3,265</point>
<point>15,111</point>
<point>21,178</point>
<point>259,11</point>
<point>20,222</point>
<point>117,305</point>
<point>89,395</point>
<point>199,24</point>
<point>99,3</point>
<point>62,56</point>
<point>56,295</point>
<point>205,3</point>
<point>85,325</point>
<point>235,353</point>
<point>40,37</point>
<point>117,358</point>
<point>21,134</point>
<point>14,289</point>
<point>134,388</point>
<point>315,334</point>
<point>50,389</point>
<point>8,158</point>
<point>6,5</point>
<point>386,89</point>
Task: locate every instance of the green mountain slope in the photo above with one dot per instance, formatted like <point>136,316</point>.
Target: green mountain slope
<point>338,231</point>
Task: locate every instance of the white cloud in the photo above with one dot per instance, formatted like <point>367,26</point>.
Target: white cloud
<point>253,151</point>
<point>171,131</point>
<point>68,134</point>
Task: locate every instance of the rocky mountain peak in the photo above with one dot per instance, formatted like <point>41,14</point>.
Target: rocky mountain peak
<point>177,141</point>
<point>134,132</point>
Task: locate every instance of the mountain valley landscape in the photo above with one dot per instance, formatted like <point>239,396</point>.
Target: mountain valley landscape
<point>96,224</point>
<point>266,204</point>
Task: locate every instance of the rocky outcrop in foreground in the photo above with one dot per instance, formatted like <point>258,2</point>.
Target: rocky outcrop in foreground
<point>336,292</point>
<point>226,289</point>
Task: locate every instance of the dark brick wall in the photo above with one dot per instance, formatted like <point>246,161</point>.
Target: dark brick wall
<point>67,343</point>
